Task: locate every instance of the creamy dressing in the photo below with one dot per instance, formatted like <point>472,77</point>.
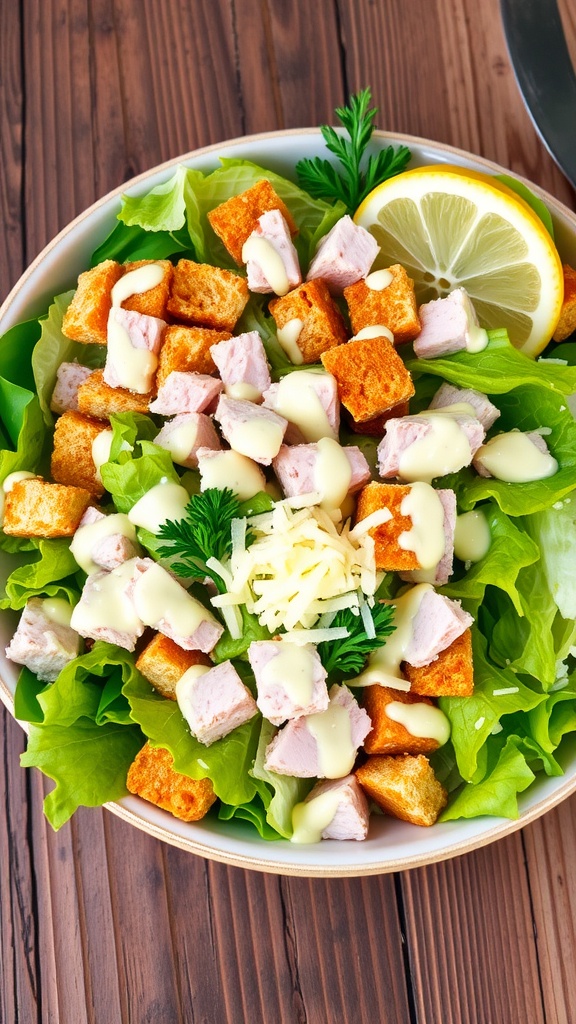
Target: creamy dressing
<point>515,459</point>
<point>472,536</point>
<point>378,280</point>
<point>181,441</point>
<point>230,469</point>
<point>135,367</point>
<point>444,449</point>
<point>257,438</point>
<point>288,340</point>
<point>185,686</point>
<point>57,610</point>
<point>15,478</point>
<point>101,446</point>
<point>164,501</point>
<point>332,473</point>
<point>107,605</point>
<point>259,250</point>
<point>455,409</point>
<point>292,668</point>
<point>158,598</point>
<point>375,331</point>
<point>332,731</point>
<point>426,538</point>
<point>86,537</point>
<point>384,664</point>
<point>137,281</point>
<point>243,391</point>
<point>423,720</point>
<point>297,400</point>
<point>310,818</point>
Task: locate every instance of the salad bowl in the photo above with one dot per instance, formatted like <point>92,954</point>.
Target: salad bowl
<point>392,844</point>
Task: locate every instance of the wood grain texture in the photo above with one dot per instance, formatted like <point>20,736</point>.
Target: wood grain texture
<point>100,924</point>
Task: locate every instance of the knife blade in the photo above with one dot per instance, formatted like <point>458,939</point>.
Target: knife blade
<point>545,75</point>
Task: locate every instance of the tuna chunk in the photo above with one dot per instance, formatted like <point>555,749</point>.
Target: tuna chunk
<point>437,623</point>
<point>299,396</point>
<point>295,749</point>
<point>99,548</point>
<point>407,430</point>
<point>448,325</point>
<point>185,434</point>
<point>251,429</point>
<point>44,646</point>
<point>277,701</point>
<point>295,467</point>
<point>483,408</point>
<point>443,571</point>
<point>352,813</point>
<point>344,255</point>
<point>215,702</point>
<point>533,436</point>
<point>162,603</point>
<point>273,228</point>
<point>184,391</point>
<point>242,360</point>
<point>69,377</point>
<point>145,332</point>
<point>230,469</point>
<point>105,610</point>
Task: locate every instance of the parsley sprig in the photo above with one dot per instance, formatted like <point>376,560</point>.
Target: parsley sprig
<point>344,659</point>
<point>321,179</point>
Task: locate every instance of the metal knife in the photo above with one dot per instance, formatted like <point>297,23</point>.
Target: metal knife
<point>545,75</point>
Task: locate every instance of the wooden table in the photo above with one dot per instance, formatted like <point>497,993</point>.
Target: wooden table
<point>100,923</point>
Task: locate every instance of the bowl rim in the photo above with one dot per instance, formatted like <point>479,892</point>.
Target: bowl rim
<point>123,808</point>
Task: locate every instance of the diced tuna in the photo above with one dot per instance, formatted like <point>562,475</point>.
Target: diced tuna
<point>344,255</point>
<point>100,548</point>
<point>105,610</point>
<point>407,430</point>
<point>184,391</point>
<point>242,361</point>
<point>230,469</point>
<point>483,408</point>
<point>250,429</point>
<point>69,377</point>
<point>162,603</point>
<point>277,701</point>
<point>144,332</point>
<point>110,552</point>
<point>440,575</point>
<point>448,325</point>
<point>533,436</point>
<point>215,702</point>
<point>437,623</point>
<point>291,398</point>
<point>185,434</point>
<point>295,749</point>
<point>295,468</point>
<point>44,646</point>
<point>272,228</point>
<point>352,814</point>
<point>91,515</point>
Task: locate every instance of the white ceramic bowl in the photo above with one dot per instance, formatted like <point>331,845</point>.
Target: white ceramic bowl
<point>392,845</point>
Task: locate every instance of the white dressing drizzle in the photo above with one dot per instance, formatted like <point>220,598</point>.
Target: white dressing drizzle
<point>426,538</point>
<point>257,438</point>
<point>57,610</point>
<point>134,366</point>
<point>164,501</point>
<point>158,597</point>
<point>230,469</point>
<point>445,448</point>
<point>472,536</point>
<point>101,446</point>
<point>87,536</point>
<point>311,817</point>
<point>243,391</point>
<point>15,478</point>
<point>259,250</point>
<point>292,668</point>
<point>332,473</point>
<point>107,605</point>
<point>378,280</point>
<point>332,731</point>
<point>136,281</point>
<point>419,719</point>
<point>374,331</point>
<point>515,459</point>
<point>181,441</point>
<point>297,401</point>
<point>384,664</point>
<point>288,340</point>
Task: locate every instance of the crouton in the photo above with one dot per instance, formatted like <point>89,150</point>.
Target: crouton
<point>567,322</point>
<point>323,326</point>
<point>163,663</point>
<point>72,461</point>
<point>35,508</point>
<point>152,777</point>
<point>86,318</point>
<point>187,349</point>
<point>403,786</point>
<point>152,302</point>
<point>208,296</point>
<point>98,399</point>
<point>236,219</point>
<point>371,376</point>
<point>388,736</point>
<point>451,675</point>
<point>377,426</point>
<point>393,307</point>
<point>387,551</point>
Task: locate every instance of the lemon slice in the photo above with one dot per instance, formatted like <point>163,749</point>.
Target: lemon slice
<point>453,228</point>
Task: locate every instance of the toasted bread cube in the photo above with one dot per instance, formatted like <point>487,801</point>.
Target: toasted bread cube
<point>98,399</point>
<point>387,551</point>
<point>451,675</point>
<point>393,307</point>
<point>208,296</point>
<point>152,302</point>
<point>371,376</point>
<point>72,461</point>
<point>236,219</point>
<point>388,736</point>
<point>567,322</point>
<point>323,326</point>
<point>187,349</point>
<point>377,426</point>
<point>152,777</point>
<point>35,508</point>
<point>86,318</point>
<point>163,663</point>
<point>403,786</point>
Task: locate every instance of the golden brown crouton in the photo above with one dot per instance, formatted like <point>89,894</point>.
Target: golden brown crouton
<point>387,551</point>
<point>394,306</point>
<point>567,322</point>
<point>98,399</point>
<point>86,318</point>
<point>236,219</point>
<point>152,777</point>
<point>163,663</point>
<point>323,326</point>
<point>187,349</point>
<point>403,786</point>
<point>371,376</point>
<point>377,426</point>
<point>152,302</point>
<point>208,296</point>
<point>35,508</point>
<point>388,736</point>
<point>72,461</point>
<point>451,675</point>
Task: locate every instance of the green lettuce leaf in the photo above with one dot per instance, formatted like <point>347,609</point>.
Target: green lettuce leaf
<point>287,791</point>
<point>497,793</point>
<point>134,472</point>
<point>554,530</point>
<point>52,573</point>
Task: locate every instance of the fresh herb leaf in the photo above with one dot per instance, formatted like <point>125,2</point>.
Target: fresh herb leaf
<point>321,179</point>
<point>345,658</point>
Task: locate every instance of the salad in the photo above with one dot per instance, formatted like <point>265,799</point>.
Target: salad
<point>229,532</point>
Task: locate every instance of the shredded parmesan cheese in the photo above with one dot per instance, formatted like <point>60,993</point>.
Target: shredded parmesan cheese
<point>504,690</point>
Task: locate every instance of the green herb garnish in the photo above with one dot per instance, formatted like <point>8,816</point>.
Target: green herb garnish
<point>321,179</point>
<point>345,658</point>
